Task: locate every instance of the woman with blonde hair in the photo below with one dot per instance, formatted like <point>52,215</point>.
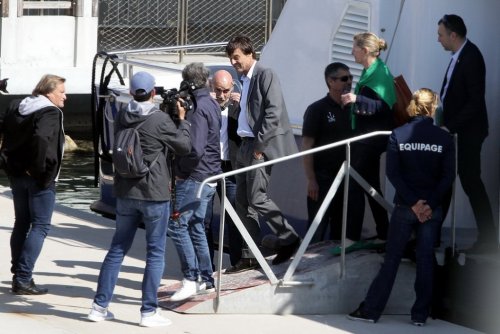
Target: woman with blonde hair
<point>371,110</point>
<point>421,167</point>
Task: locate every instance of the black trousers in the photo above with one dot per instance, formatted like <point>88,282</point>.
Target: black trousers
<point>365,159</point>
<point>469,172</point>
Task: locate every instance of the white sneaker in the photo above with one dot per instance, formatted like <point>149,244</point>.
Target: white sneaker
<point>98,313</point>
<point>189,288</point>
<point>202,288</point>
<point>154,319</point>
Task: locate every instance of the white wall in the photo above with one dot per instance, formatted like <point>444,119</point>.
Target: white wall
<point>299,50</point>
<point>36,45</point>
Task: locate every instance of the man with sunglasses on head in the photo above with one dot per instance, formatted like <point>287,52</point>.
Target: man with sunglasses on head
<point>326,121</point>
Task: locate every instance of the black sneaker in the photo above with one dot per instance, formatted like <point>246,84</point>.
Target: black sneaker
<point>358,315</point>
<point>19,288</point>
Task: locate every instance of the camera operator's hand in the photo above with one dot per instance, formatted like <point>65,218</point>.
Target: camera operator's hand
<point>182,110</point>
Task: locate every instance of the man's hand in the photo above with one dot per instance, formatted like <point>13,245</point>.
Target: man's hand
<point>258,155</point>
<point>182,111</point>
<point>422,210</point>
<point>348,98</point>
<point>235,97</point>
<point>313,190</point>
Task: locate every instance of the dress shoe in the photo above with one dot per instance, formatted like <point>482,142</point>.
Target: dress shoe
<point>243,265</point>
<point>286,252</point>
<point>19,288</point>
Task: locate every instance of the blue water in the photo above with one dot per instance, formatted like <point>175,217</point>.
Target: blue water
<point>75,187</point>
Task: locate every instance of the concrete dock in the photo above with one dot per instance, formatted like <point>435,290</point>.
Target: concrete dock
<point>69,265</point>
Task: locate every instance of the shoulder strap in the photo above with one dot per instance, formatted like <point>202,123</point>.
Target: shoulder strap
<point>137,126</point>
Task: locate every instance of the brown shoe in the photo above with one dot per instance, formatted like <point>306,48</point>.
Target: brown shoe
<point>243,265</point>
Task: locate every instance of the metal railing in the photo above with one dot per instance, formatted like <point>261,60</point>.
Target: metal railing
<point>344,172</point>
<point>121,56</point>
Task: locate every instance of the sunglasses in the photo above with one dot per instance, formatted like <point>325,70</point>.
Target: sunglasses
<point>344,78</point>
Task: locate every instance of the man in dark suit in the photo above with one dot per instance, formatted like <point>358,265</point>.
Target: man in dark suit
<point>265,131</point>
<point>464,113</point>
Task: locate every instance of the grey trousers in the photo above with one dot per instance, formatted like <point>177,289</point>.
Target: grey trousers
<point>252,200</point>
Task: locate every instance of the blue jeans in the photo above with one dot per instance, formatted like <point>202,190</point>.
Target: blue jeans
<point>403,223</point>
<point>129,214</point>
<point>188,231</point>
<point>33,208</point>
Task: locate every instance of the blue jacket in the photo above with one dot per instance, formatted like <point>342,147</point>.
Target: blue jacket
<point>420,162</point>
<point>204,159</point>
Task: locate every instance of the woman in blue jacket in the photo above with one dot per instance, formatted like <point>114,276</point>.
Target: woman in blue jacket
<point>421,167</point>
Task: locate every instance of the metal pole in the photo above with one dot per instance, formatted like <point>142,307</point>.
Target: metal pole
<point>344,210</point>
<point>270,19</point>
<point>182,30</point>
<point>220,254</point>
<point>453,200</point>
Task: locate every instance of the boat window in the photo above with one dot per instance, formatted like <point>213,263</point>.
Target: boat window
<point>47,8</point>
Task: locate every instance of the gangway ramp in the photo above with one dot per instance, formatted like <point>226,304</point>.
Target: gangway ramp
<point>316,287</point>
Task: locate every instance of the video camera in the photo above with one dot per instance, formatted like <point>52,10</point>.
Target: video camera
<point>171,96</point>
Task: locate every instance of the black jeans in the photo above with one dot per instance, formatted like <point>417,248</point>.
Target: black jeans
<point>365,159</point>
<point>403,223</point>
<point>234,236</point>
<point>469,171</point>
<point>333,216</point>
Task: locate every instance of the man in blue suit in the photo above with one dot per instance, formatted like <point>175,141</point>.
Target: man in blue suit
<point>265,131</point>
<point>464,113</point>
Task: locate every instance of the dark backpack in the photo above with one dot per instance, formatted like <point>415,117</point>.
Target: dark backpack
<point>128,157</point>
<point>16,131</point>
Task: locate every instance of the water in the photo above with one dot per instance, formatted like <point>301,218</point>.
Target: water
<point>75,188</point>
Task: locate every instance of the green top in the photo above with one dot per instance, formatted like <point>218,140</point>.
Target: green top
<point>378,78</point>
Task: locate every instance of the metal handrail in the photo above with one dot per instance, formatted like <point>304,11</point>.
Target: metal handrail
<point>121,56</point>
<point>170,48</point>
<point>344,172</point>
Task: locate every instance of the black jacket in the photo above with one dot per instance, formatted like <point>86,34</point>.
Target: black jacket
<point>33,139</point>
<point>420,162</point>
<point>464,105</point>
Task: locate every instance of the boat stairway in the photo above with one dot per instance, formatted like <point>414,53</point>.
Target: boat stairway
<point>317,288</point>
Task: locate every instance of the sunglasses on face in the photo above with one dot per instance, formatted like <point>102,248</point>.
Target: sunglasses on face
<point>344,78</point>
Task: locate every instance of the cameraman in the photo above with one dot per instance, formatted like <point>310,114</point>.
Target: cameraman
<point>145,199</point>
<point>186,227</point>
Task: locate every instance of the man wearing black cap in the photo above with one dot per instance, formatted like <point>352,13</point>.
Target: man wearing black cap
<point>145,199</point>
